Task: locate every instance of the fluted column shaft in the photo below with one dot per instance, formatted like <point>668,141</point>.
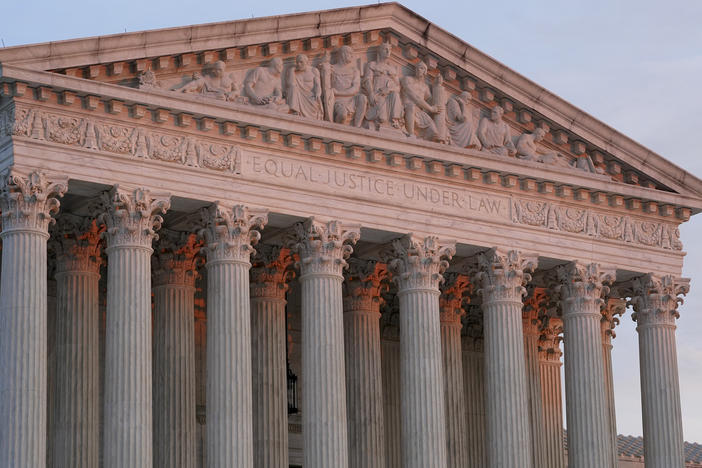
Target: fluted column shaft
<point>322,251</point>
<point>655,302</point>
<point>450,306</point>
<point>608,322</point>
<point>268,351</point>
<point>363,361</point>
<point>531,352</point>
<point>75,434</point>
<point>551,393</point>
<point>417,265</point>
<point>508,428</point>
<point>174,350</point>
<point>229,236</point>
<point>390,363</point>
<point>131,223</point>
<point>26,205</point>
<point>474,386</point>
<point>589,442</point>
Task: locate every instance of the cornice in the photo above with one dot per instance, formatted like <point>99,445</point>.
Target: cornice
<point>444,47</point>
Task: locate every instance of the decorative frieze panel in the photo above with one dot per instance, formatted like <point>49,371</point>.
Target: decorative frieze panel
<point>596,224</point>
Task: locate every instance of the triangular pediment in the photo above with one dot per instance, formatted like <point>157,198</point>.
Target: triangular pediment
<point>178,62</point>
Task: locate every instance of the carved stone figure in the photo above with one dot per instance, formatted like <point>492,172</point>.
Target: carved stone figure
<point>584,163</point>
<point>304,89</point>
<point>462,121</point>
<point>263,86</point>
<point>415,99</point>
<point>147,80</point>
<point>341,82</point>
<point>494,133</point>
<point>381,85</point>
<point>213,83</point>
<point>528,149</point>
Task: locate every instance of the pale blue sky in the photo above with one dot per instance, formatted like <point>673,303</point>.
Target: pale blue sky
<point>635,65</point>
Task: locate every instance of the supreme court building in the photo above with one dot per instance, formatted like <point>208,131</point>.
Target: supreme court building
<point>339,239</point>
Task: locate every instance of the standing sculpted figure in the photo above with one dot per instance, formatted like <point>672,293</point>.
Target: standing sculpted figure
<point>381,85</point>
<point>343,101</point>
<point>528,149</point>
<point>263,86</point>
<point>462,121</point>
<point>304,89</point>
<point>415,98</point>
<point>213,83</point>
<point>494,133</point>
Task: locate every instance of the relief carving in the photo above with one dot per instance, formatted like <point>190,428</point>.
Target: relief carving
<point>462,120</point>
<point>588,222</point>
<point>381,83</point>
<point>494,133</point>
<point>341,82</point>
<point>304,89</point>
<point>214,83</point>
<point>263,86</point>
<point>416,98</point>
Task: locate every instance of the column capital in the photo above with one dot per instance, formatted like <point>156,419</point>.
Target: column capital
<point>132,216</point>
<point>27,202</point>
<point>365,280</point>
<point>176,258</point>
<point>271,272</point>
<point>612,310</point>
<point>503,274</point>
<point>453,289</point>
<point>535,307</point>
<point>582,284</point>
<point>418,263</point>
<point>230,233</point>
<point>77,243</point>
<point>323,247</point>
<point>390,320</point>
<point>550,337</point>
<point>472,330</point>
<point>656,299</point>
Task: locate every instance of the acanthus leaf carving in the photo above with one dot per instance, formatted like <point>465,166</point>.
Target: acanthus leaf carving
<point>502,275</point>
<point>271,271</point>
<point>77,243</point>
<point>419,263</point>
<point>453,294</point>
<point>582,286</point>
<point>365,281</point>
<point>656,298</point>
<point>28,202</point>
<point>176,258</point>
<point>323,247</point>
<point>231,233</point>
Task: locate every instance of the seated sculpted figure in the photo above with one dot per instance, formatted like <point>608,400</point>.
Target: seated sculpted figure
<point>462,121</point>
<point>304,89</point>
<point>213,83</point>
<point>381,85</point>
<point>263,86</point>
<point>494,133</point>
<point>341,82</point>
<point>415,98</point>
<point>528,149</point>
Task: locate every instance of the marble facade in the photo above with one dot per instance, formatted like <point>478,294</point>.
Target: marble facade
<point>407,224</point>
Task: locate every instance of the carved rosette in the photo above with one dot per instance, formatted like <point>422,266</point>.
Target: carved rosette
<point>502,275</point>
<point>271,272</point>
<point>27,203</point>
<point>612,310</point>
<point>365,279</point>
<point>176,258</point>
<point>419,264</point>
<point>132,216</point>
<point>77,243</point>
<point>656,299</point>
<point>550,337</point>
<point>453,289</point>
<point>583,285</point>
<point>323,247</point>
<point>535,305</point>
<point>230,233</point>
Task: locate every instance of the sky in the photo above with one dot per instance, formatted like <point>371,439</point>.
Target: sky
<point>634,64</point>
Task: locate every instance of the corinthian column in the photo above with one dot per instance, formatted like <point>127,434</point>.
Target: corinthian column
<point>390,368</point>
<point>131,218</point>
<point>27,204</point>
<point>502,278</point>
<point>534,303</point>
<point>417,265</point>
<point>551,393</point>
<point>323,251</point>
<point>363,361</point>
<point>474,385</point>
<point>175,264</point>
<point>589,443</point>
<point>450,313</point>
<point>75,434</point>
<point>229,237</point>
<point>609,320</point>
<point>655,302</point>
<point>269,278</point>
